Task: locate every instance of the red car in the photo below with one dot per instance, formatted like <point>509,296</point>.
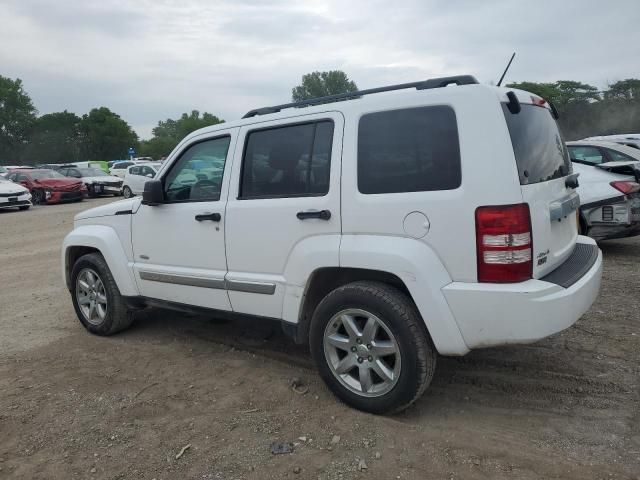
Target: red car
<point>49,186</point>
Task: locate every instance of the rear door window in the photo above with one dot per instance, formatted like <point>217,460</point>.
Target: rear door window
<point>287,161</point>
<point>540,151</point>
<point>619,157</point>
<point>408,150</point>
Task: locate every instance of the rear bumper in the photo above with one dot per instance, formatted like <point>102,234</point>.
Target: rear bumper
<point>501,314</point>
<point>624,221</point>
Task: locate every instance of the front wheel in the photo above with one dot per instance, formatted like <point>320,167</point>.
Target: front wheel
<point>126,192</point>
<point>24,207</point>
<point>37,197</point>
<point>370,346</point>
<point>96,298</point>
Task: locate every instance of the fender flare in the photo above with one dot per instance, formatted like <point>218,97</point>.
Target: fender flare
<point>421,271</point>
<point>106,241</point>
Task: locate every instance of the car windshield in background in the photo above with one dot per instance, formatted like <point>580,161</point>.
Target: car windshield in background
<point>540,152</point>
<point>44,174</point>
<point>92,172</point>
<point>123,164</point>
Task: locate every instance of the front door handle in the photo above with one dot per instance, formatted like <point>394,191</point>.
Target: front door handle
<point>214,217</point>
<point>321,214</point>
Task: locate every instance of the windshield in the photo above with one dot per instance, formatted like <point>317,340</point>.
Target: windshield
<point>44,174</point>
<point>123,165</point>
<point>538,146</point>
<point>92,172</point>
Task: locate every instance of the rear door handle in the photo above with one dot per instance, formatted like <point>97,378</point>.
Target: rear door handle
<point>321,214</point>
<point>214,217</point>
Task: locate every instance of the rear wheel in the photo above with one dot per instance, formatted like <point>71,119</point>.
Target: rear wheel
<point>126,191</point>
<point>370,347</point>
<point>96,298</point>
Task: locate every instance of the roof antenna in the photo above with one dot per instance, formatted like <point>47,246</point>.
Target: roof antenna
<point>506,69</point>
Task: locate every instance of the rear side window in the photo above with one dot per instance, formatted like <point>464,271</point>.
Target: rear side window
<point>289,161</point>
<point>409,150</point>
<point>540,152</point>
<point>619,157</point>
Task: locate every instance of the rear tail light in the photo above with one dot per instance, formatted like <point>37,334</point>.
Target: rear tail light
<point>504,246</point>
<point>626,187</point>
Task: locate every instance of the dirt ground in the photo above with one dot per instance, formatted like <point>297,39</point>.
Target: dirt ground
<point>73,405</point>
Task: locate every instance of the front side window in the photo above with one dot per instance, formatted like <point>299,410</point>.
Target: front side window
<point>588,155</point>
<point>289,161</point>
<point>408,150</point>
<point>197,175</point>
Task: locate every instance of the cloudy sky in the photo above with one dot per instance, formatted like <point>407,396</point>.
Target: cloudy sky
<point>154,59</point>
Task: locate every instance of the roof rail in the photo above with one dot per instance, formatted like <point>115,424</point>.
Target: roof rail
<point>422,85</point>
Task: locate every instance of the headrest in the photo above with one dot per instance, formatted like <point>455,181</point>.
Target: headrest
<point>285,156</point>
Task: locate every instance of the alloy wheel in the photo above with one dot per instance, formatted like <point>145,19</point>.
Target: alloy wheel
<point>91,296</point>
<point>362,352</point>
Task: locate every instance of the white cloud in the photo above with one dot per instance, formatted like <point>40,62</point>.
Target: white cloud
<point>149,60</point>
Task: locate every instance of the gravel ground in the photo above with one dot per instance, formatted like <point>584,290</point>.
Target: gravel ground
<point>73,405</point>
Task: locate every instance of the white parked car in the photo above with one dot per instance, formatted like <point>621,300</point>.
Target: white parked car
<point>14,195</point>
<point>119,169</point>
<point>136,176</point>
<point>95,179</point>
<point>381,230</point>
<point>609,189</point>
<point>630,139</point>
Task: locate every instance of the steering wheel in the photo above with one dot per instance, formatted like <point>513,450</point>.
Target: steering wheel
<point>204,189</point>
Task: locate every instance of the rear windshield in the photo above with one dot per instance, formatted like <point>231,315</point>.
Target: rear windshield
<point>539,148</point>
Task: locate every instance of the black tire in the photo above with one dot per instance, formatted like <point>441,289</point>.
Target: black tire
<point>118,317</point>
<point>397,311</point>
<point>126,192</point>
<point>37,196</point>
<point>24,207</point>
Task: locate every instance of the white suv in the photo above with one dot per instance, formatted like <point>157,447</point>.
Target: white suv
<point>381,229</point>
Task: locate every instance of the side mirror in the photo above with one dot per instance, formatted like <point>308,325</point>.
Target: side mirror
<point>153,194</point>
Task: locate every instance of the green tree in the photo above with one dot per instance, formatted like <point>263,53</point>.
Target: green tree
<point>170,132</point>
<point>54,138</point>
<point>321,84</point>
<point>628,89</point>
<point>105,136</point>
<point>17,115</point>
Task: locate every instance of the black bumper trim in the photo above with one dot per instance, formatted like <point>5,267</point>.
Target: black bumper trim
<point>575,267</point>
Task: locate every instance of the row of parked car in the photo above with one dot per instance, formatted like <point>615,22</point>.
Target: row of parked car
<point>609,184</point>
<point>23,186</point>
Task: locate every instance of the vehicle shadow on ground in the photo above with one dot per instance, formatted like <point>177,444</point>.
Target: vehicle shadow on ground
<point>544,375</point>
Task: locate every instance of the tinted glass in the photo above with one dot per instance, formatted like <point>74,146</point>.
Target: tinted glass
<point>590,155</point>
<point>540,152</point>
<point>410,150</point>
<point>619,157</point>
<point>287,161</point>
<point>197,175</point>
<point>134,170</point>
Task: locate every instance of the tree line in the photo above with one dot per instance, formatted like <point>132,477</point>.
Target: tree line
<point>100,134</point>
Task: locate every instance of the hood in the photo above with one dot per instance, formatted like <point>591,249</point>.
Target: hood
<point>128,204</point>
<point>59,183</point>
<point>101,179</point>
<point>623,168</point>
<point>10,187</point>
